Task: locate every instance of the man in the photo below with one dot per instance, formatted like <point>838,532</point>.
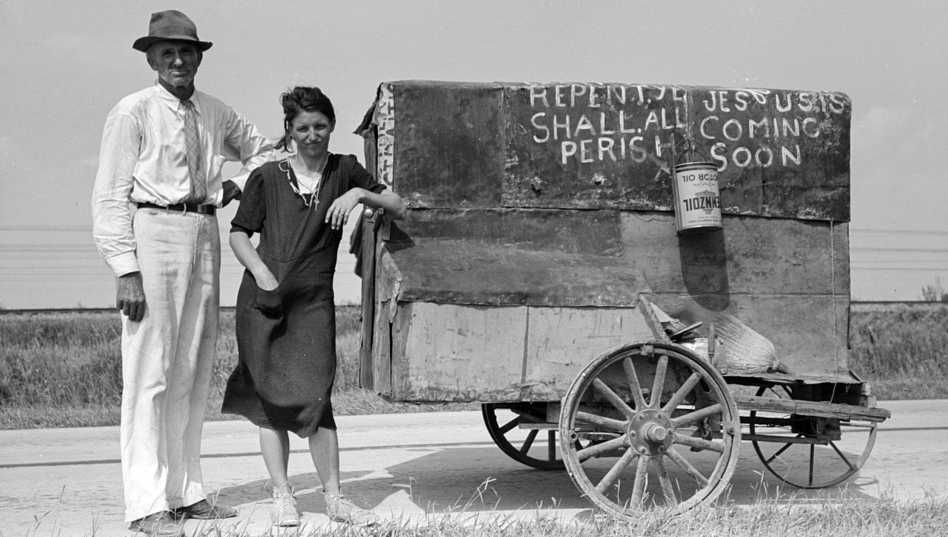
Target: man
<point>153,206</point>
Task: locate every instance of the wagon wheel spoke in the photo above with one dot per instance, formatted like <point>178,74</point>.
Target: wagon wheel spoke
<point>634,384</point>
<point>843,457</point>
<point>687,466</point>
<point>602,447</point>
<point>616,470</point>
<point>510,425</point>
<point>681,392</point>
<point>528,443</point>
<point>613,398</point>
<point>696,415</point>
<point>609,423</point>
<point>659,384</point>
<point>780,451</point>
<point>812,458</point>
<point>641,477</point>
<point>667,489</point>
<point>698,443</point>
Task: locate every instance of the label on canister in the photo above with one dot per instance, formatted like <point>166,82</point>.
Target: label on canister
<point>697,199</point>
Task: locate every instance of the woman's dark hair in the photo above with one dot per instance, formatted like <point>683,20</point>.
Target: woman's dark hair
<point>303,99</point>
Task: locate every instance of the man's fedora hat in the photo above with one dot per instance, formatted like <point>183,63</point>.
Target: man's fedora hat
<point>170,25</point>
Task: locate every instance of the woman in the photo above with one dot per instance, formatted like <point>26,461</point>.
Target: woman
<point>285,311</point>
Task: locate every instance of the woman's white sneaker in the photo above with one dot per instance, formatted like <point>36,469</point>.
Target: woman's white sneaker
<point>341,509</point>
<point>285,512</point>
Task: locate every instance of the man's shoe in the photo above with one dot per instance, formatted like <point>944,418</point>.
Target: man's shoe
<point>203,510</point>
<point>341,509</point>
<point>160,524</point>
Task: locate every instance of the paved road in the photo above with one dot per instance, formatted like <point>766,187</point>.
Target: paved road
<point>67,481</point>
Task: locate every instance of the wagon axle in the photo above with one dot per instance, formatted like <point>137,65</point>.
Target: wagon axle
<point>650,432</point>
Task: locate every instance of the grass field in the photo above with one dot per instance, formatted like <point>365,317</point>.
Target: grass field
<point>64,369</point>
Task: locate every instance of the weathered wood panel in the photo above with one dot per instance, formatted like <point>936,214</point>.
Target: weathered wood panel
<point>567,231</point>
<point>780,153</point>
<point>453,271</point>
<point>747,256</point>
<point>458,353</point>
<point>561,341</point>
<point>786,152</point>
<point>449,144</point>
<point>465,353</point>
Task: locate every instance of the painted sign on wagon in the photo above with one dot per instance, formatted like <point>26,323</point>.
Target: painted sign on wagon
<point>589,145</point>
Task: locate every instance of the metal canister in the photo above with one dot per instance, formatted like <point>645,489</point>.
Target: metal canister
<point>697,198</point>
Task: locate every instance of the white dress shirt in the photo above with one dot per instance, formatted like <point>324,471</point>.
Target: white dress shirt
<point>143,159</point>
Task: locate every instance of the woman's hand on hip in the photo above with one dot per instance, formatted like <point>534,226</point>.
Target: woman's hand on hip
<point>338,213</point>
<point>266,280</point>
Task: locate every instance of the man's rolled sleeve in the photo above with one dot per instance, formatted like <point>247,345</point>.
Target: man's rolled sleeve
<point>245,143</point>
<point>111,210</point>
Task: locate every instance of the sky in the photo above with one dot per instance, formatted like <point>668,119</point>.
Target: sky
<point>66,64</point>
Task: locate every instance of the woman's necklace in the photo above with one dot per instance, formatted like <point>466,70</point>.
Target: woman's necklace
<point>312,198</point>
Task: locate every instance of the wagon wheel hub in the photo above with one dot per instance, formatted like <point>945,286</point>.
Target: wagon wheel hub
<point>650,432</point>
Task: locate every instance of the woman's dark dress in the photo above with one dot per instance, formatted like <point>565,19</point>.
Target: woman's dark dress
<point>286,338</point>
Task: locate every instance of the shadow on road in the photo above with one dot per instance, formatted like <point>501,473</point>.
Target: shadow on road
<point>483,479</point>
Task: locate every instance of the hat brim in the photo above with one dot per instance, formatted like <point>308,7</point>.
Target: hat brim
<point>143,43</point>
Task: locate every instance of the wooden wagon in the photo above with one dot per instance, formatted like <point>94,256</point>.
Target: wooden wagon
<point>540,257</point>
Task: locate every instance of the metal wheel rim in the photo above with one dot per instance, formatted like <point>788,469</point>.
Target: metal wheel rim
<point>496,431</point>
<point>717,480</point>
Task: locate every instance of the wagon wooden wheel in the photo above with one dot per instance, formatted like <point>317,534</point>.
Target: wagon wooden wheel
<point>809,452</point>
<point>674,427</point>
<point>506,423</point>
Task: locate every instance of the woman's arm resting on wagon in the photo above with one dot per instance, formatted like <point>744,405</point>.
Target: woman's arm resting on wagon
<point>338,213</point>
<point>249,258</point>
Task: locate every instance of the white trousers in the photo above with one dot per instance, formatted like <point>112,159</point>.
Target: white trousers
<point>167,359</point>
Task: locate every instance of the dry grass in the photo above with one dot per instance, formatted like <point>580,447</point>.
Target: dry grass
<point>863,518</point>
<point>901,350</point>
<point>64,369</point>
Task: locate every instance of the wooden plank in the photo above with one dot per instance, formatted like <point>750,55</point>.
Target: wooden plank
<point>458,353</point>
<point>567,231</point>
<point>366,268</point>
<point>381,352</point>
<point>561,341</point>
<point>811,408</point>
<point>385,288</point>
<point>478,273</point>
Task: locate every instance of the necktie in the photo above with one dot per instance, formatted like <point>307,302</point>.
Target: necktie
<point>193,147</point>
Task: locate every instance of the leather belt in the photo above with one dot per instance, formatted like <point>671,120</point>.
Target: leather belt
<point>181,208</point>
